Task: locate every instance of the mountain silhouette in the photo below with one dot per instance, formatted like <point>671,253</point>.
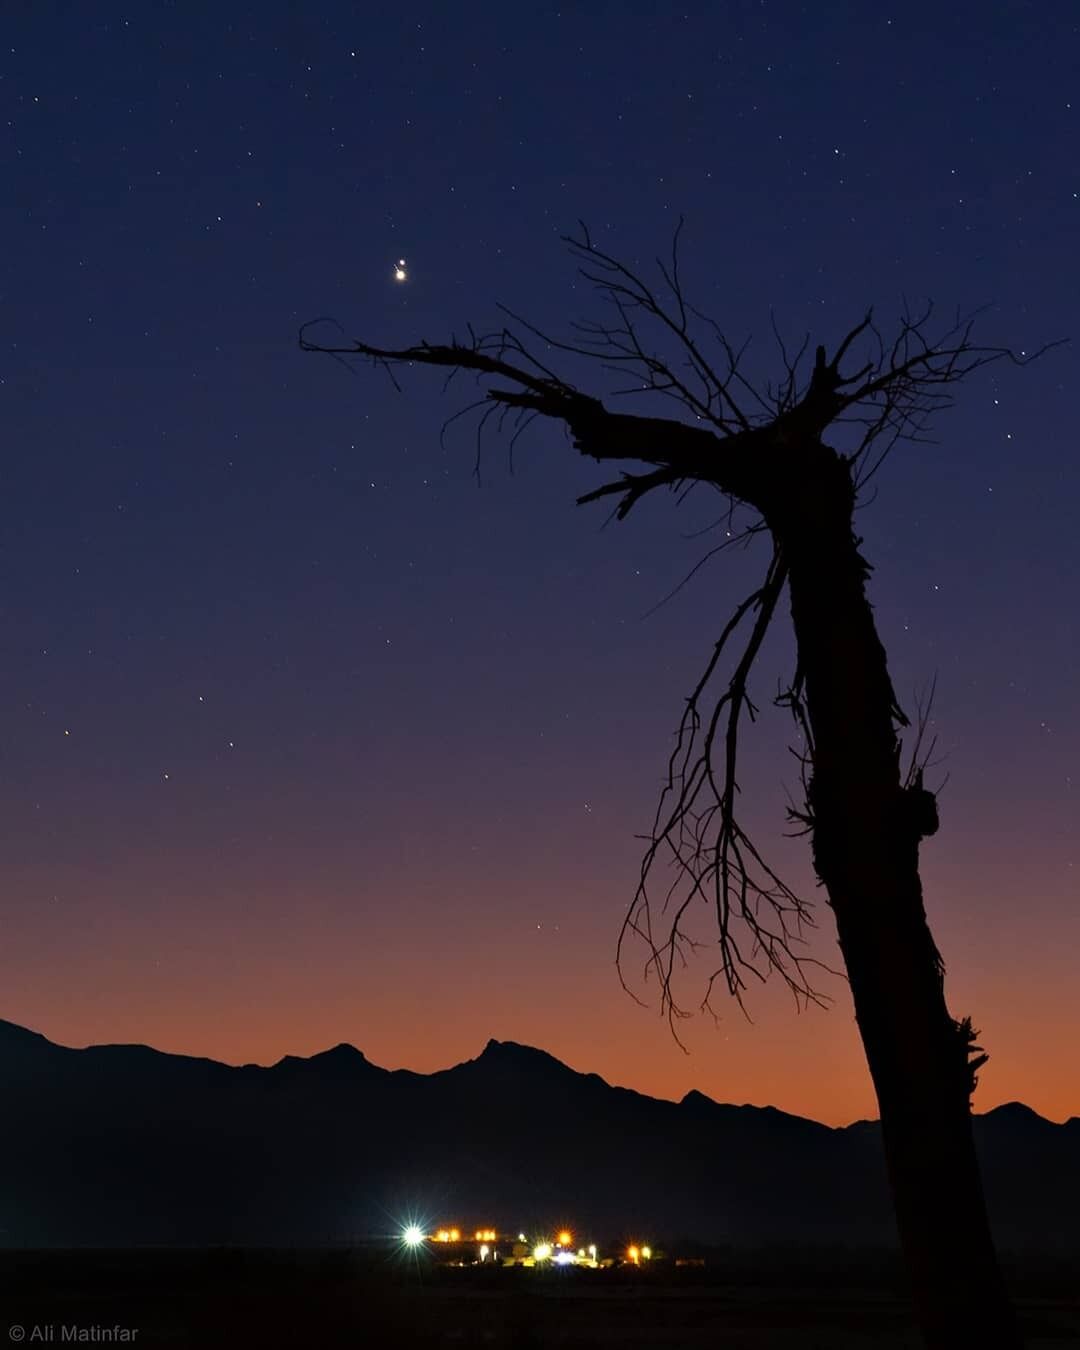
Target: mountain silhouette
<point>123,1145</point>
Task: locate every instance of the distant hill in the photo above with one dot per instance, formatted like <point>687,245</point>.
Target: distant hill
<point>121,1145</point>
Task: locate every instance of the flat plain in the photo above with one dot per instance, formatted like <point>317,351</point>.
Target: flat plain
<point>272,1299</point>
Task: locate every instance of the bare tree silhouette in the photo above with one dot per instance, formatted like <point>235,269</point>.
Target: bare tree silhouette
<point>763,450</point>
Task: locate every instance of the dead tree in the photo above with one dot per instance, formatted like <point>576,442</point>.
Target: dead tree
<point>763,450</point>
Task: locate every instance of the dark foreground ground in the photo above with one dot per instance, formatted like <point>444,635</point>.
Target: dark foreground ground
<point>312,1300</point>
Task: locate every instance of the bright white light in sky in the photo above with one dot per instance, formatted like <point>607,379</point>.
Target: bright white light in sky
<point>400,272</point>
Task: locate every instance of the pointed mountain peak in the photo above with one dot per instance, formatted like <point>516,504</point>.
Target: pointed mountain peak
<point>1018,1113</point>
<point>341,1060</point>
<point>342,1053</point>
<point>515,1056</point>
<point>697,1101</point>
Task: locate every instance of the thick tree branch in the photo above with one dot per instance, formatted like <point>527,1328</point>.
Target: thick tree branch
<point>732,463</point>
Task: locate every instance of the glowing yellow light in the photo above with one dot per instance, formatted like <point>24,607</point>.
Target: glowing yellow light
<point>479,1235</point>
<point>633,1254</point>
<point>455,1236</point>
<point>564,1239</point>
<point>646,1253</point>
<point>542,1252</point>
<point>592,1250</point>
<point>443,1235</point>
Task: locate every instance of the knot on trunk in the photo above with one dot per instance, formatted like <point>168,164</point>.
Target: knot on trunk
<point>973,1056</point>
<point>918,810</point>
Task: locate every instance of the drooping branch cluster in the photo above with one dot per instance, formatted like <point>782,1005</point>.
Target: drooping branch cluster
<point>760,920</point>
<point>750,445</point>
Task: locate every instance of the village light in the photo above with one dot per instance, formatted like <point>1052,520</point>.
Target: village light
<point>646,1253</point>
<point>565,1238</point>
<point>592,1250</point>
<point>455,1235</point>
<point>542,1251</point>
<point>485,1251</point>
<point>633,1254</point>
<point>413,1236</point>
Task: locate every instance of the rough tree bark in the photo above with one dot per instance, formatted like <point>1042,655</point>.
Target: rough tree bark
<point>866,828</point>
<point>866,819</point>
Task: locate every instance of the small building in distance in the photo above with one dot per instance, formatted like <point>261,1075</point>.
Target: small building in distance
<point>465,1245</point>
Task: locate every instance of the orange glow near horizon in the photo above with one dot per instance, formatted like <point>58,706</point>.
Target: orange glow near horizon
<point>810,1065</point>
<point>212,998</point>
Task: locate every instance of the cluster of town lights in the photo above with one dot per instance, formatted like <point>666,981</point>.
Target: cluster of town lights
<point>560,1251</point>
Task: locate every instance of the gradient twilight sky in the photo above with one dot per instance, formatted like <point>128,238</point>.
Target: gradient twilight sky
<point>306,737</point>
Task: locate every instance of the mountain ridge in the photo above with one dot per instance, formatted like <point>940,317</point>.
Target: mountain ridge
<point>125,1145</point>
<point>494,1051</point>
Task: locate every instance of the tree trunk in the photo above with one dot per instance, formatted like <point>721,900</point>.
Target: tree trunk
<point>866,832</point>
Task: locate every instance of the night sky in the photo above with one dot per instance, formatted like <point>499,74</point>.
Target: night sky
<point>305,736</point>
